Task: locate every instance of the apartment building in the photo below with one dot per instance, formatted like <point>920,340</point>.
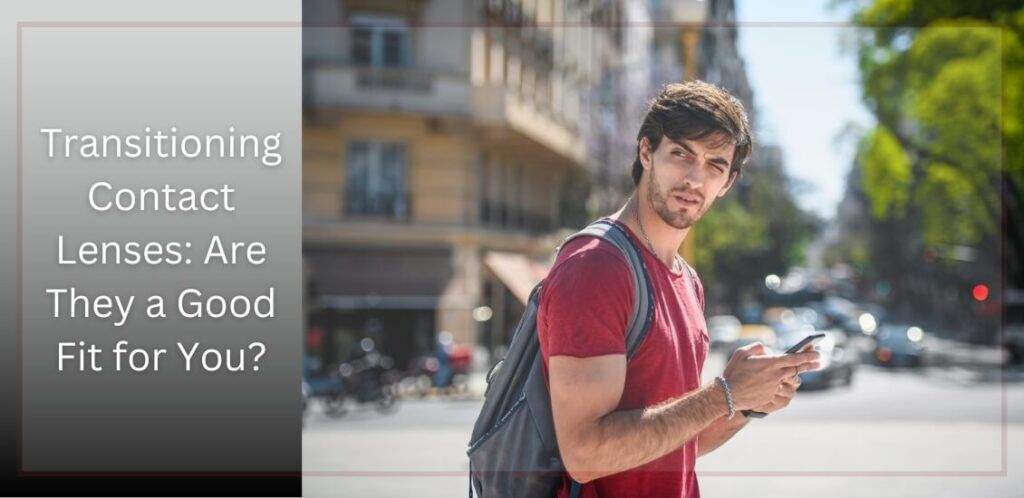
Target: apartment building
<point>444,145</point>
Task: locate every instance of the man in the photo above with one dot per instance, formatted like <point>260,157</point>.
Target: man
<point>637,428</point>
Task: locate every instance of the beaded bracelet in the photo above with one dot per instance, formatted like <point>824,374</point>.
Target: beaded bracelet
<point>728,396</point>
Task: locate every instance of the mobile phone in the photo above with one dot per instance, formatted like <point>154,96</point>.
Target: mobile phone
<point>804,342</point>
<point>795,349</point>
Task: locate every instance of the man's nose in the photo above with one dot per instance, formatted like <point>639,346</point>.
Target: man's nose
<point>696,175</point>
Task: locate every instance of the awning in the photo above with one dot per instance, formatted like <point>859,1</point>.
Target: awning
<point>379,277</point>
<point>516,271</point>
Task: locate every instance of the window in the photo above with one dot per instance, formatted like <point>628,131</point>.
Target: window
<point>376,183</point>
<point>379,41</point>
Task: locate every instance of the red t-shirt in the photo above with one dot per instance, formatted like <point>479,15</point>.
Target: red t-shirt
<point>585,306</point>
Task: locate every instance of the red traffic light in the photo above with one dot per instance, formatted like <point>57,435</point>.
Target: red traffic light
<point>980,292</point>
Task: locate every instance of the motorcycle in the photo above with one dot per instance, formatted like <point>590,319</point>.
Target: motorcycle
<point>371,379</point>
<point>366,379</point>
<point>429,374</point>
<point>328,390</point>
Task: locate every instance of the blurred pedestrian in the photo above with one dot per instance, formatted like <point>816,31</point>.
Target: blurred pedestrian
<point>443,353</point>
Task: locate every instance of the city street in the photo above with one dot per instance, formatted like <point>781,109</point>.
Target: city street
<point>444,161</point>
<point>928,432</point>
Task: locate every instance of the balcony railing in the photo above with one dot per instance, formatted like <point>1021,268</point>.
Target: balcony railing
<point>388,78</point>
<point>504,216</point>
<point>361,204</point>
<point>405,89</point>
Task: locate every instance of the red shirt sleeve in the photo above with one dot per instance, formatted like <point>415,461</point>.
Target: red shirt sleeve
<point>586,302</point>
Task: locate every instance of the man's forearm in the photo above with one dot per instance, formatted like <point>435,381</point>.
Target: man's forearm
<point>624,440</point>
<point>718,433</point>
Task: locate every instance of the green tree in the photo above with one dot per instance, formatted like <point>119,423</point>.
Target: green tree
<point>755,230</point>
<point>886,173</point>
<point>945,80</point>
<point>941,171</point>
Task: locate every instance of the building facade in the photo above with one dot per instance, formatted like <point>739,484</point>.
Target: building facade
<point>444,144</point>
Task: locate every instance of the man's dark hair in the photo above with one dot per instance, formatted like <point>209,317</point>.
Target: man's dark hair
<point>695,110</point>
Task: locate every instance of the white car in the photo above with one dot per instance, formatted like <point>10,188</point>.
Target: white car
<point>723,329</point>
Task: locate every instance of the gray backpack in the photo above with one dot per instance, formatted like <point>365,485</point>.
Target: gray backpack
<point>513,451</point>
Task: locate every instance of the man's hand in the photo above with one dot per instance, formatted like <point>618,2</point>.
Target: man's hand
<point>782,398</point>
<point>759,380</point>
<point>787,390</point>
<point>722,430</point>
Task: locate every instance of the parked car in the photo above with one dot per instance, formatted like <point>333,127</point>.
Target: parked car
<point>750,312</point>
<point>852,318</point>
<point>838,360</point>
<point>750,334</point>
<point>811,316</point>
<point>778,315</point>
<point>899,344</point>
<point>723,330</point>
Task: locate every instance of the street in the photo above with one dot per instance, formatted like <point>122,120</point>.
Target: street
<point>895,432</point>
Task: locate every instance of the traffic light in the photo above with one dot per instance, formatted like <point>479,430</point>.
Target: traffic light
<point>980,292</point>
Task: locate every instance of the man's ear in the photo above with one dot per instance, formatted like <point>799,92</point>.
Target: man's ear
<point>733,176</point>
<point>645,153</point>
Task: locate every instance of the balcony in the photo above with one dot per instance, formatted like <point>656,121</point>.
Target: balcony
<point>360,204</point>
<point>499,106</point>
<point>409,90</point>
<point>383,211</point>
<point>503,216</point>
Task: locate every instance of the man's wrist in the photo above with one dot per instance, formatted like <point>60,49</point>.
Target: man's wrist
<point>730,405</point>
<point>740,418</point>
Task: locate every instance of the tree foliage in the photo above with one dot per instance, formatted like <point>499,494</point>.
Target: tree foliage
<point>755,230</point>
<point>886,173</point>
<point>945,79</point>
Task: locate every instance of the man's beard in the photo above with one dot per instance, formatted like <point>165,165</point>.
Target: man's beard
<point>659,202</point>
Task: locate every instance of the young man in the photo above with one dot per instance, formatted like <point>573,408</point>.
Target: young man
<point>636,429</point>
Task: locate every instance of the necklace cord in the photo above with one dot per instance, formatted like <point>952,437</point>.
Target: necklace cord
<point>636,213</point>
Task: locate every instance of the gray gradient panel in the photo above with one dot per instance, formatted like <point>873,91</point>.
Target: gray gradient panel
<point>202,80</point>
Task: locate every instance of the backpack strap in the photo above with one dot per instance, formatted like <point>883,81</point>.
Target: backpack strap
<point>693,280</point>
<point>574,489</point>
<point>643,302</point>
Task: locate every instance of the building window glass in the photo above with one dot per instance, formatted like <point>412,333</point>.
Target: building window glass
<point>380,41</point>
<point>377,180</point>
